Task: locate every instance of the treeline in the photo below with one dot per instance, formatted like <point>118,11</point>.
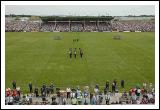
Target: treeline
<point>13,15</point>
<point>140,16</point>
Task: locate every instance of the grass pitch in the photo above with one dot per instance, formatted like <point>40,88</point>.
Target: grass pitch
<point>38,57</point>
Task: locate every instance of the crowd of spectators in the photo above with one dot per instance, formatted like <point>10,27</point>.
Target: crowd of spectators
<point>16,26</point>
<point>104,26</point>
<point>49,26</point>
<point>91,26</point>
<point>32,26</point>
<point>29,26</point>
<point>51,95</point>
<point>62,27</point>
<point>77,27</point>
<point>143,26</point>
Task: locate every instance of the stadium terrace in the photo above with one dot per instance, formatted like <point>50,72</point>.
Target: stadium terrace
<point>78,24</point>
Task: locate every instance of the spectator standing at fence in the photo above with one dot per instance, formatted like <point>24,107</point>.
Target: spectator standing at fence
<point>52,88</point>
<point>30,87</point>
<point>30,99</point>
<point>10,100</point>
<point>68,90</point>
<point>122,84</point>
<point>94,100</point>
<point>74,101</point>
<point>107,98</point>
<point>115,82</point>
<point>44,88</point>
<point>54,100</point>
<point>97,86</point>
<point>8,92</point>
<point>150,87</point>
<point>18,91</point>
<point>144,100</point>
<point>64,100</point>
<point>107,85</point>
<point>113,87</point>
<point>138,92</point>
<point>36,92</point>
<point>14,93</point>
<point>100,98</point>
<point>43,97</point>
<point>106,89</point>
<point>48,91</point>
<point>96,90</point>
<point>72,94</point>
<point>14,84</point>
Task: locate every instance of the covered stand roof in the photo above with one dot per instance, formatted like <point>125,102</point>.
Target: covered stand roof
<point>76,18</point>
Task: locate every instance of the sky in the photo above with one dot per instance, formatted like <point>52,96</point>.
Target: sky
<point>81,10</point>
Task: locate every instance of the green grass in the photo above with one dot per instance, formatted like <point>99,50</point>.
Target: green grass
<point>37,57</point>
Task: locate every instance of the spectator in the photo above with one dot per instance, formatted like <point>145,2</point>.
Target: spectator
<point>115,82</point>
<point>85,101</point>
<point>124,95</point>
<point>74,101</point>
<point>30,87</point>
<point>144,85</point>
<point>122,83</point>
<point>94,100</point>
<point>136,96</point>
<point>113,87</point>
<point>30,99</point>
<point>144,100</point>
<point>58,92</point>
<point>100,98</point>
<point>43,97</point>
<point>73,94</point>
<point>64,101</point>
<point>27,99</point>
<point>150,87</point>
<point>130,91</point>
<point>43,87</point>
<point>54,100</point>
<point>107,98</point>
<point>36,92</point>
<point>52,88</point>
<point>138,92</point>
<point>18,91</point>
<point>96,90</point>
<point>68,90</point>
<point>10,100</point>
<point>8,92</point>
<point>14,84</point>
<point>138,100</point>
<point>48,91</point>
<point>107,86</point>
<point>14,93</point>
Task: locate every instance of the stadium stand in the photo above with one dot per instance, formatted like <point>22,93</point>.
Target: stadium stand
<point>80,24</point>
